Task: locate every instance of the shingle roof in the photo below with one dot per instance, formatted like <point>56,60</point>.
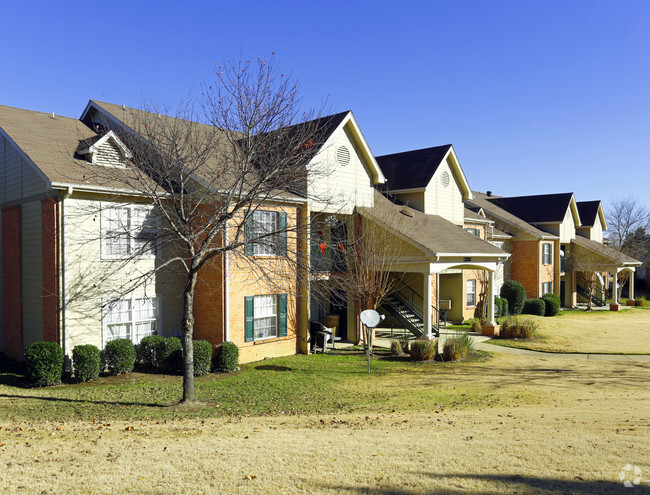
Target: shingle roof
<point>539,208</point>
<point>411,169</point>
<point>588,211</point>
<point>470,214</point>
<point>618,258</point>
<point>504,216</point>
<point>431,232</point>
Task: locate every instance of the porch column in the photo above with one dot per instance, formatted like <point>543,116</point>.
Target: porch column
<point>615,287</point>
<point>631,291</point>
<point>490,297</point>
<point>427,313</point>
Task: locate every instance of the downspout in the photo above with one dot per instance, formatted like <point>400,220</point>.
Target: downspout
<point>63,329</point>
<point>226,291</point>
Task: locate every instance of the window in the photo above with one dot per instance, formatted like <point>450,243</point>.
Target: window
<point>265,317</point>
<point>129,231</point>
<point>476,232</point>
<point>266,234</point>
<point>546,254</point>
<point>546,287</point>
<point>471,293</point>
<point>131,318</point>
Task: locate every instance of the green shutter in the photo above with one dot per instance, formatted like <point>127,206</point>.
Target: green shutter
<point>248,319</point>
<point>282,234</point>
<point>248,232</point>
<point>282,315</point>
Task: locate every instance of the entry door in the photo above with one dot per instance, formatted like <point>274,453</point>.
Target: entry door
<point>339,306</point>
<point>562,292</point>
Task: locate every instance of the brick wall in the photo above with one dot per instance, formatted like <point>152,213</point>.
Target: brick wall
<point>12,282</point>
<point>524,268</point>
<point>50,247</point>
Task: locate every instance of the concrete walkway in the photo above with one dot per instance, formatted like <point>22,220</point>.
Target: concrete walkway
<point>481,342</point>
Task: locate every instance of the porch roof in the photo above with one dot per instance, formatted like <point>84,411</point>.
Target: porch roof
<point>615,257</point>
<point>432,234</point>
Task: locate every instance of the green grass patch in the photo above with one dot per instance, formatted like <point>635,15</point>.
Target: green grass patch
<point>323,383</point>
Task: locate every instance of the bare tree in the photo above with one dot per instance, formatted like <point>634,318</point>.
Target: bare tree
<point>624,216</point>
<point>207,172</point>
<point>590,264</point>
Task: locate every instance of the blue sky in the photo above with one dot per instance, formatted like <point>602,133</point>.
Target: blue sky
<point>536,96</point>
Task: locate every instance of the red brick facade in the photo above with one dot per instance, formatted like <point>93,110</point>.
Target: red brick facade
<point>50,254</point>
<point>525,266</point>
<point>12,294</point>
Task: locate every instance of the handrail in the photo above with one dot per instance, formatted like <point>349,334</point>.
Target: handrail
<point>414,301</point>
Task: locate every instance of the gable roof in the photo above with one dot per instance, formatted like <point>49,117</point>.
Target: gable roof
<point>616,257</point>
<point>412,169</point>
<point>589,211</point>
<point>540,208</point>
<point>504,216</point>
<point>431,233</point>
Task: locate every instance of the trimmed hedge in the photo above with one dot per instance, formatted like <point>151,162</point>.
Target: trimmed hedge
<point>145,352</point>
<point>202,357</point>
<point>44,361</point>
<point>515,293</point>
<point>552,304</point>
<point>119,356</point>
<point>502,304</point>
<point>534,307</point>
<point>225,358</point>
<point>169,356</point>
<point>87,361</point>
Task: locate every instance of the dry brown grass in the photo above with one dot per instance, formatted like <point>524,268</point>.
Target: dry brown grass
<point>588,420</point>
<point>592,332</point>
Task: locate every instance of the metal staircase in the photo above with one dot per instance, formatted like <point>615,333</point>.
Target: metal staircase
<point>405,305</point>
<point>581,288</point>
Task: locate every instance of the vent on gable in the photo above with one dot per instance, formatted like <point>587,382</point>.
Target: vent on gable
<point>444,179</point>
<point>342,155</point>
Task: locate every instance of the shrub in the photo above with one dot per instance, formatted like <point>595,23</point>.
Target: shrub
<point>145,352</point>
<point>404,339</point>
<point>474,324</point>
<point>119,356</point>
<point>457,348</point>
<point>86,360</point>
<point>423,349</point>
<point>552,304</point>
<point>502,304</point>
<point>518,328</point>
<point>226,358</point>
<point>534,307</point>
<point>396,348</point>
<point>639,301</point>
<point>44,361</point>
<point>515,294</point>
<point>202,357</point>
<point>169,355</point>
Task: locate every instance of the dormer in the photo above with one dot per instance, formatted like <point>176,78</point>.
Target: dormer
<point>104,149</point>
<point>430,180</point>
<point>592,217</point>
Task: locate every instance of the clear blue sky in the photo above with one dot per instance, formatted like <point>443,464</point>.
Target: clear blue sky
<point>536,96</point>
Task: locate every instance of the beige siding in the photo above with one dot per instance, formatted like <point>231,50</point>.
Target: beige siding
<point>32,271</point>
<point>414,200</point>
<point>568,228</point>
<point>18,179</point>
<point>91,280</point>
<point>596,232</point>
<point>342,186</point>
<point>446,201</point>
<point>2,334</point>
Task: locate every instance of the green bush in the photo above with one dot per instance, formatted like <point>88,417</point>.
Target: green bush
<point>169,356</point>
<point>424,349</point>
<point>457,348</point>
<point>44,362</point>
<point>502,304</point>
<point>518,328</point>
<point>119,356</point>
<point>202,357</point>
<point>86,360</point>
<point>474,324</point>
<point>640,301</point>
<point>534,307</point>
<point>552,304</point>
<point>515,294</point>
<point>226,358</point>
<point>145,352</point>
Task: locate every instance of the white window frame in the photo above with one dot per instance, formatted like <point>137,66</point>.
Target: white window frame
<point>474,231</point>
<point>268,223</point>
<point>546,253</point>
<point>265,313</point>
<point>472,292</point>
<point>131,318</point>
<point>547,288</point>
<point>128,233</point>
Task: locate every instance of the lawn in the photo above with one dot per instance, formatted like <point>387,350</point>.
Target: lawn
<point>626,331</point>
<point>321,424</point>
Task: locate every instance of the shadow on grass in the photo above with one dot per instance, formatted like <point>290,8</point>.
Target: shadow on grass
<point>86,401</point>
<point>270,367</point>
<point>494,484</point>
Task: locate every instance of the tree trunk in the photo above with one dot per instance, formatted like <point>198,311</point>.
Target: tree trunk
<point>188,333</point>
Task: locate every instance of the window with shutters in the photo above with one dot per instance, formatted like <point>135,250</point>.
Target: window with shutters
<point>265,317</point>
<point>131,318</point>
<point>546,254</point>
<point>546,287</point>
<point>266,233</point>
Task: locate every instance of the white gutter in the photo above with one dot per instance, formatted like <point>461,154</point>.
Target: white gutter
<point>226,290</point>
<point>63,292</point>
